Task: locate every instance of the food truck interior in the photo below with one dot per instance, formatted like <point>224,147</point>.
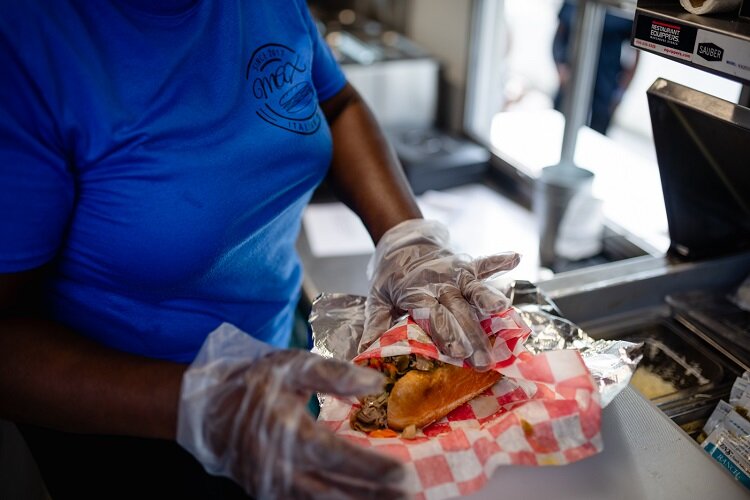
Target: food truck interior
<point>644,235</point>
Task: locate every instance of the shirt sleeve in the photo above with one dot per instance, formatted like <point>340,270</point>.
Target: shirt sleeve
<point>327,76</point>
<point>37,189</point>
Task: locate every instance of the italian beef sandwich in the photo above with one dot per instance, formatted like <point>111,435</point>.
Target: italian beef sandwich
<point>418,392</point>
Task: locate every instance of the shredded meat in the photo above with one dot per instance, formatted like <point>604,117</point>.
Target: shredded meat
<point>373,414</point>
<point>422,364</point>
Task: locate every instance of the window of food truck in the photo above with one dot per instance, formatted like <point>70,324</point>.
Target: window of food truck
<point>520,64</point>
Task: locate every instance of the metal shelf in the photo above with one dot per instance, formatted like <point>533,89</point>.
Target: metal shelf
<point>718,44</point>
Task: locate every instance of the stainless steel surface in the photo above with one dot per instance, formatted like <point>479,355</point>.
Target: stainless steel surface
<point>671,353</point>
<point>396,77</point>
<point>488,39</point>
<point>646,456</point>
<point>642,283</point>
<point>560,189</point>
<point>630,293</point>
<point>608,306</point>
<point>587,27</point>
<point>699,374</point>
<point>711,106</point>
<point>728,25</point>
<point>701,146</point>
<point>401,93</point>
<point>715,320</point>
<point>737,29</point>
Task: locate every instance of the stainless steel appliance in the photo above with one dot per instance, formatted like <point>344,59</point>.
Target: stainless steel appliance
<point>397,79</point>
<point>696,341</point>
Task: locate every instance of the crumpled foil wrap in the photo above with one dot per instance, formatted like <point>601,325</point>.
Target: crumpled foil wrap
<point>337,322</point>
<point>611,362</point>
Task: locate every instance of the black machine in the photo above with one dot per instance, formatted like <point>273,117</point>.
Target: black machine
<point>702,148</point>
<point>434,159</point>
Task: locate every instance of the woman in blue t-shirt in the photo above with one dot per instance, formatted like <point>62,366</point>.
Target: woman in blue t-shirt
<point>155,159</point>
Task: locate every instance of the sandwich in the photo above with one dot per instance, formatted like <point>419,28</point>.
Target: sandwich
<point>418,392</point>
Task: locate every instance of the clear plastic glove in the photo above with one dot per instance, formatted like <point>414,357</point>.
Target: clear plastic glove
<point>243,414</point>
<point>413,269</point>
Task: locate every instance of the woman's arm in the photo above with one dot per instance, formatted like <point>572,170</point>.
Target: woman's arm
<point>365,173</point>
<point>413,268</point>
<point>56,378</point>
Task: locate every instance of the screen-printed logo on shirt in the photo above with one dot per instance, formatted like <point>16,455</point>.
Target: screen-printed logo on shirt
<point>281,84</point>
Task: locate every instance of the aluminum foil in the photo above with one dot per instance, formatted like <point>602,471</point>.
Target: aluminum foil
<point>337,322</point>
<point>611,362</point>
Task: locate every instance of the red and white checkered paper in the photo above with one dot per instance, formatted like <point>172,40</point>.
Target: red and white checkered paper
<point>544,411</point>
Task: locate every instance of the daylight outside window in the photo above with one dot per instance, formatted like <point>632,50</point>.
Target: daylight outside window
<point>521,62</point>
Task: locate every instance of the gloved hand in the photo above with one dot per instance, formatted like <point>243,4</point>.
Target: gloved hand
<point>413,269</point>
<point>243,414</point>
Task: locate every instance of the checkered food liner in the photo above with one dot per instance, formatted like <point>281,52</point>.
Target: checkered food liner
<point>544,411</point>
<point>410,336</point>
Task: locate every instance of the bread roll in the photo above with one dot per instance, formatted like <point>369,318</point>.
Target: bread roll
<point>421,397</point>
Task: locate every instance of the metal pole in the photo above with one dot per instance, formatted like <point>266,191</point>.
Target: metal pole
<point>587,28</point>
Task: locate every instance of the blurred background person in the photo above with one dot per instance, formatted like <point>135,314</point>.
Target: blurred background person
<point>615,68</point>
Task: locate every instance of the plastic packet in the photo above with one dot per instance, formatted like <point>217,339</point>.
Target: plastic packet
<point>740,388</point>
<point>739,400</point>
<point>721,411</point>
<point>729,444</point>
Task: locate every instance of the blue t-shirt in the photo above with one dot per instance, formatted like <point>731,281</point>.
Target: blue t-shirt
<point>160,155</point>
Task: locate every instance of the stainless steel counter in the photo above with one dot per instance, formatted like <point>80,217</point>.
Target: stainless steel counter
<point>626,286</point>
<point>645,456</point>
<point>599,296</point>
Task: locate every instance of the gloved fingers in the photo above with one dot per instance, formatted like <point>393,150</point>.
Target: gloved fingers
<point>332,376</point>
<point>378,319</point>
<point>355,489</point>
<point>291,445</point>
<point>480,350</point>
<point>445,331</point>
<point>308,486</point>
<point>487,267</point>
<point>336,486</point>
<point>485,298</point>
<point>322,452</point>
<point>413,233</point>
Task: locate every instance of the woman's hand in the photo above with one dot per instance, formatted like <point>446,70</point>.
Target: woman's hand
<point>412,269</point>
<point>247,419</point>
